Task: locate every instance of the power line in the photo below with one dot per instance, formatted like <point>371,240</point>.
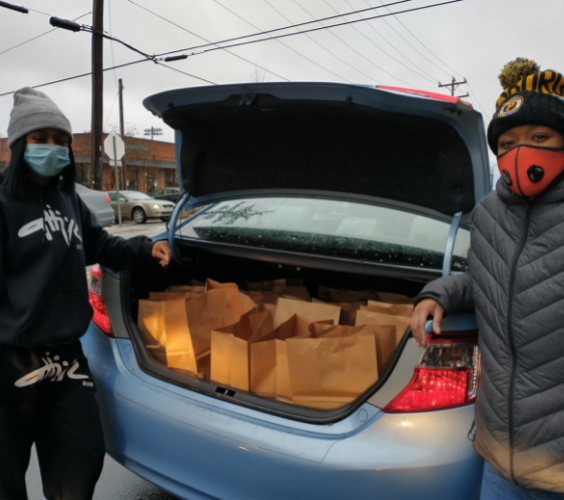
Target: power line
<point>271,38</point>
<point>206,40</point>
<point>277,29</point>
<point>428,77</point>
<point>352,48</point>
<point>39,36</point>
<point>185,73</point>
<point>154,58</point>
<point>430,51</point>
<point>322,46</point>
<point>77,76</point>
<point>239,44</point>
<point>409,43</point>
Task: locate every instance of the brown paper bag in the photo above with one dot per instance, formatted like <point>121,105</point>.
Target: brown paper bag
<point>327,373</point>
<point>385,336</point>
<point>186,289</point>
<point>401,323</point>
<point>230,349</point>
<point>314,311</point>
<point>165,322</point>
<point>269,361</point>
<point>405,310</point>
<point>348,312</point>
<point>213,310</point>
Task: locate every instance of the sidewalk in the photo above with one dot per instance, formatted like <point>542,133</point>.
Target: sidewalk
<point>128,229</point>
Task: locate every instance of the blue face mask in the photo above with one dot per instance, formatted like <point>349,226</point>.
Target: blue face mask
<point>46,160</point>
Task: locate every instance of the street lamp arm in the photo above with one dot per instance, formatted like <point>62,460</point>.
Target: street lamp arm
<point>65,24</point>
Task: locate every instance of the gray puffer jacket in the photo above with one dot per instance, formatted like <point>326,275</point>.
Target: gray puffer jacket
<point>515,284</point>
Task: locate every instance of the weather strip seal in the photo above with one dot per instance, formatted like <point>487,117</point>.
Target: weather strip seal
<point>449,249</point>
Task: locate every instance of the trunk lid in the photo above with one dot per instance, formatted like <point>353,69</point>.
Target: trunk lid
<point>419,150</point>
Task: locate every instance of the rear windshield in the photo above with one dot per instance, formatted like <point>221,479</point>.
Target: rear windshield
<point>330,228</point>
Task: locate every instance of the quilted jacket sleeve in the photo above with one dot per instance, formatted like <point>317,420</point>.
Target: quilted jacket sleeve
<point>453,293</point>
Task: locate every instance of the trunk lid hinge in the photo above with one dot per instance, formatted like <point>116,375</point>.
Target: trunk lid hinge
<point>449,249</point>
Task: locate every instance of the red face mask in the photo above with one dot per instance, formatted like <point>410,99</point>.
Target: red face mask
<point>529,170</point>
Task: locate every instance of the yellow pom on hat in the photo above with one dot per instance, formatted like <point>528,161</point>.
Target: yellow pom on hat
<point>514,71</point>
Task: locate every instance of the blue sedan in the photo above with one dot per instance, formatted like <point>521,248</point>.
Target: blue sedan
<point>340,186</point>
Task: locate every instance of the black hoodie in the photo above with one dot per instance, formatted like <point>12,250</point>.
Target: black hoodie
<point>47,238</point>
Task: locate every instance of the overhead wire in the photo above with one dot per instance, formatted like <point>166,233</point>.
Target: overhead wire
<point>428,76</point>
<point>155,57</point>
<point>352,48</point>
<point>39,36</point>
<point>322,46</point>
<point>407,41</point>
<point>271,38</point>
<point>276,37</point>
<point>430,51</point>
<point>473,94</point>
<point>266,32</point>
<point>206,40</point>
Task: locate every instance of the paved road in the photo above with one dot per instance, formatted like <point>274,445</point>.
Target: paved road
<point>116,482</point>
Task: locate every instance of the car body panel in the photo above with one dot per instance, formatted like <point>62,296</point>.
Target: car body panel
<point>97,203</point>
<point>177,107</point>
<point>183,441</point>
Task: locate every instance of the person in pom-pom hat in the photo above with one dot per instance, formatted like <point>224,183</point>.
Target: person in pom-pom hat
<point>515,284</point>
<point>47,238</point>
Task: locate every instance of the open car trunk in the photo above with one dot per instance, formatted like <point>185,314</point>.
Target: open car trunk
<point>307,367</point>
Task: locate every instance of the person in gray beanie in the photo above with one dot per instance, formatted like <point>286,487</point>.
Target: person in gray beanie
<point>47,238</point>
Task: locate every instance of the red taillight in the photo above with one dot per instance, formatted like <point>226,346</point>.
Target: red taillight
<point>108,198</point>
<point>446,377</point>
<point>100,317</point>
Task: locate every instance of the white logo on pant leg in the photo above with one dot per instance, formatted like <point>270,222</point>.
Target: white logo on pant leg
<point>51,370</point>
<point>54,223</point>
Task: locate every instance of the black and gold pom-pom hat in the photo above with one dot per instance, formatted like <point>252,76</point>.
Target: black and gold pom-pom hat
<point>530,97</point>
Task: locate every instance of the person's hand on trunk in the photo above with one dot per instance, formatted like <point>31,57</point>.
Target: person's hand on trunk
<point>426,308</point>
<point>161,251</point>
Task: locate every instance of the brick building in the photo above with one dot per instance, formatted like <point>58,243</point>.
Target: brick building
<point>148,164</point>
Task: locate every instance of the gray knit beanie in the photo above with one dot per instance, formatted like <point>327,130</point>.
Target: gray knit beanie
<point>33,110</point>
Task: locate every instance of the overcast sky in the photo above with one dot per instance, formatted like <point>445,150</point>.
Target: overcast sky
<point>470,39</point>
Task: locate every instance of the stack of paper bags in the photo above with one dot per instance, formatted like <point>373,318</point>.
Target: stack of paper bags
<point>381,313</point>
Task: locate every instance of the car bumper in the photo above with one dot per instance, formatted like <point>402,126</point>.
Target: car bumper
<point>153,212</point>
<point>195,446</point>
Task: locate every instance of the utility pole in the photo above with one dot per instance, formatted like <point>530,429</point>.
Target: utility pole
<point>153,131</point>
<point>97,95</point>
<point>121,133</point>
<point>453,86</point>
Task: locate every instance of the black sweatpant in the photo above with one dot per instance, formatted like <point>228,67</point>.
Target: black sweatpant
<point>47,398</point>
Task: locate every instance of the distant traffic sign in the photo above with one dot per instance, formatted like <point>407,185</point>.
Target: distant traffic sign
<point>114,152</point>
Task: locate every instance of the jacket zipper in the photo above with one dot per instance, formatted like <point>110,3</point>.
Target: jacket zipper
<point>511,340</point>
